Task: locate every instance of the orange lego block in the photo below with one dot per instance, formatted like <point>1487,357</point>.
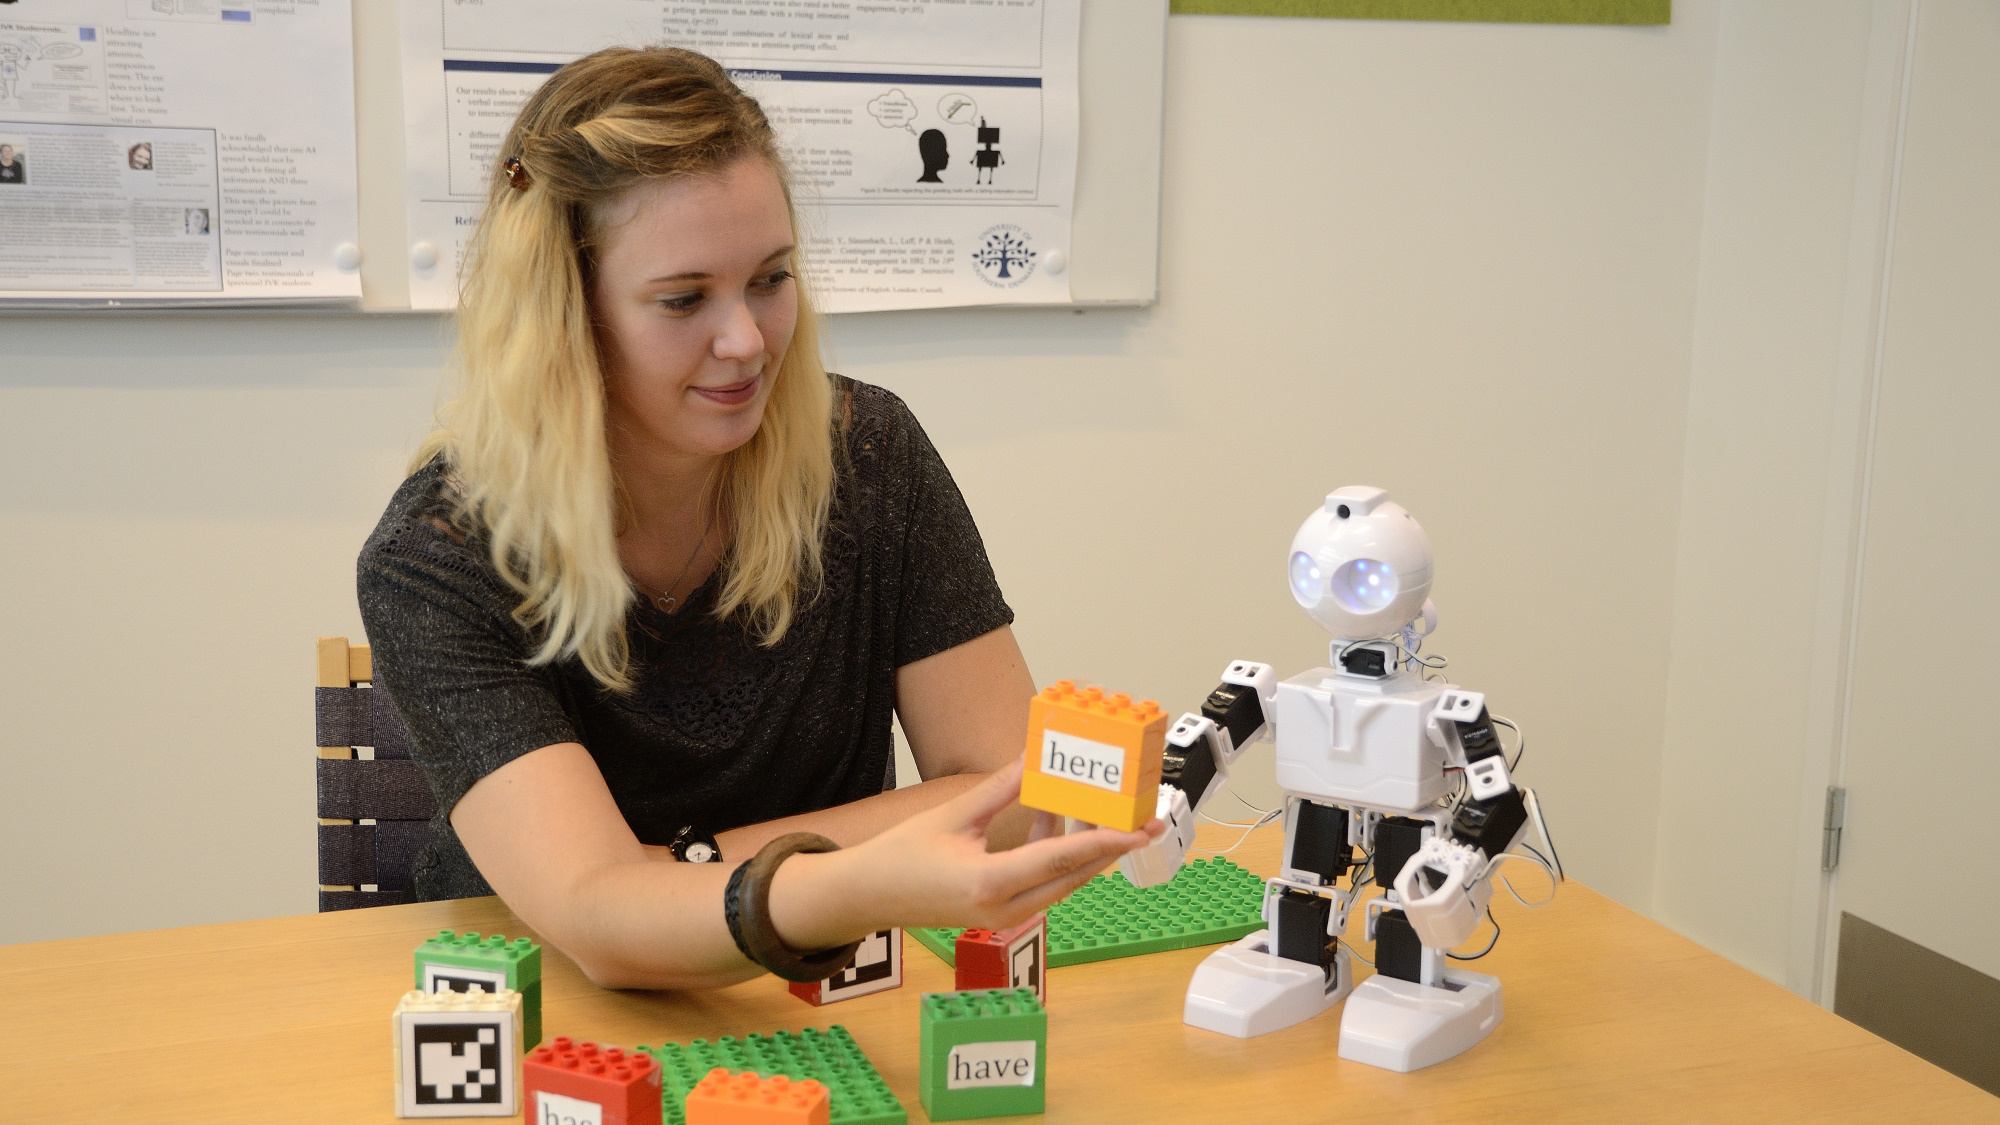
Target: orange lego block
<point>746,1098</point>
<point>1093,756</point>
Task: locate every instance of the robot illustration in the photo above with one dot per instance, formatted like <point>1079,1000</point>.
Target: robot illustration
<point>1374,753</point>
<point>987,158</point>
<point>14,60</point>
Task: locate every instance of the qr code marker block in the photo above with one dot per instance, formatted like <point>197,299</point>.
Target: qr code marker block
<point>458,1054</point>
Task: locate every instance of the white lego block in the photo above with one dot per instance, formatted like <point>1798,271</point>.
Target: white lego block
<point>458,1054</point>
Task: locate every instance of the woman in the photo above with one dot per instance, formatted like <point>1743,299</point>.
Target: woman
<point>658,578</point>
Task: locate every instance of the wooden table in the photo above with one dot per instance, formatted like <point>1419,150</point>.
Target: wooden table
<point>1610,1018</point>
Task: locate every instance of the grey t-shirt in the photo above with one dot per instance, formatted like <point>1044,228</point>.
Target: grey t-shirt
<point>718,732</point>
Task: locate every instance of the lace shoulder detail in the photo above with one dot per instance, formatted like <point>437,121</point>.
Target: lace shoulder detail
<point>424,524</point>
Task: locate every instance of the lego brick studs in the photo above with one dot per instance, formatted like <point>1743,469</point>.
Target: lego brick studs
<point>982,1054</point>
<point>748,1098</point>
<point>857,1095</point>
<point>458,1054</point>
<point>1092,756</point>
<point>570,1083</point>
<point>1209,901</point>
<point>877,967</point>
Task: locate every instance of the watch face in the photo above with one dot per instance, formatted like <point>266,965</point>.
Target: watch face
<point>699,852</point>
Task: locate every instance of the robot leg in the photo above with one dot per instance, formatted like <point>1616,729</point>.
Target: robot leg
<point>1296,968</point>
<point>1415,1011</point>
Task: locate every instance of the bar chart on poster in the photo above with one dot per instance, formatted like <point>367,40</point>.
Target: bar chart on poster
<point>134,171</point>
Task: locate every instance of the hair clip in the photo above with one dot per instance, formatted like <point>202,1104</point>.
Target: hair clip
<point>517,174</point>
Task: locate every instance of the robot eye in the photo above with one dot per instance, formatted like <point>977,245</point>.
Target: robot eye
<point>1307,582</point>
<point>1365,585</point>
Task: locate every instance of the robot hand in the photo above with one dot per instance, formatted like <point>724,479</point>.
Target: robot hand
<point>1194,765</point>
<point>1160,860</point>
<point>1443,890</point>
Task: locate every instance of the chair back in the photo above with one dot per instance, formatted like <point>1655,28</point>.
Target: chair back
<point>374,804</point>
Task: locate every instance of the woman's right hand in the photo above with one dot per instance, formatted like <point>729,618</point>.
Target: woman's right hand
<point>933,869</point>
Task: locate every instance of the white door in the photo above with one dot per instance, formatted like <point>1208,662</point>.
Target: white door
<point>1920,852</point>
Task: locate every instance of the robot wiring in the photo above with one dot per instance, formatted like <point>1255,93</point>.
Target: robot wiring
<point>1247,830</point>
<point>1535,858</point>
<point>1264,816</point>
<point>1520,741</point>
<point>1490,942</point>
<point>1253,808</point>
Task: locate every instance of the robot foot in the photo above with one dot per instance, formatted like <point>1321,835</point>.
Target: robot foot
<point>1245,990</point>
<point>1401,1026</point>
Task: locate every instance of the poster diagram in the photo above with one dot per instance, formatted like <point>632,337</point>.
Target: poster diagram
<point>133,171</point>
<point>933,144</point>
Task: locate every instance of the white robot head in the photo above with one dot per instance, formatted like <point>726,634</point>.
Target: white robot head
<point>1361,565</point>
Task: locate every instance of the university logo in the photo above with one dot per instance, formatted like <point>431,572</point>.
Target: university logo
<point>1004,258</point>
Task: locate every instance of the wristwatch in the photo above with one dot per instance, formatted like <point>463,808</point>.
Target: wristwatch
<point>692,845</point>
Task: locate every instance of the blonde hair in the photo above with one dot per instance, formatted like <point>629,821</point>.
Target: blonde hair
<point>525,437</point>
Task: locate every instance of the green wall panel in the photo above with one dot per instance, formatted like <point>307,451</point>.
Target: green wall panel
<point>1465,11</point>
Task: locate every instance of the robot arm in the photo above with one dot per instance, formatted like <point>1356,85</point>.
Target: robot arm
<point>1195,765</point>
<point>1445,886</point>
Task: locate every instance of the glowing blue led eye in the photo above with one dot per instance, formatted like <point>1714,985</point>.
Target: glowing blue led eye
<point>1365,585</point>
<point>1307,582</point>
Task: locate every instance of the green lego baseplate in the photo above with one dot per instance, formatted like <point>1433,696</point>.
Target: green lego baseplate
<point>1207,902</point>
<point>856,1093</point>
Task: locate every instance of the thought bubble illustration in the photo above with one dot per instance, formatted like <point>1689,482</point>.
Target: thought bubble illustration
<point>957,109</point>
<point>61,51</point>
<point>894,110</point>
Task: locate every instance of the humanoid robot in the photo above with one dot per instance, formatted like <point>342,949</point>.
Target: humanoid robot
<point>988,156</point>
<point>1373,753</point>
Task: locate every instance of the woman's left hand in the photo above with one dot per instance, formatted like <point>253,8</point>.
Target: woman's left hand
<point>934,870</point>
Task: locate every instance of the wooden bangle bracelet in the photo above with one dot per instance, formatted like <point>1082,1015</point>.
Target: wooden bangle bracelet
<point>746,907</point>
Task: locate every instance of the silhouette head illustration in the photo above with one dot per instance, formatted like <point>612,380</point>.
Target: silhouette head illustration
<point>931,145</point>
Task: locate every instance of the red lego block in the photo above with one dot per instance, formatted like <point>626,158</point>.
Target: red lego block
<point>877,967</point>
<point>1017,957</point>
<point>721,1098</point>
<point>568,1082</point>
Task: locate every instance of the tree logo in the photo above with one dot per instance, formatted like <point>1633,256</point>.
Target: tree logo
<point>1004,257</point>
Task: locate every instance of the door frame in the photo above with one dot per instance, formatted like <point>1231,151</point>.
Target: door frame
<point>1813,945</point>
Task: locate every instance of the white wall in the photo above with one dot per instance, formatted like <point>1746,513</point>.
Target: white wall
<point>1457,261</point>
<point>181,501</point>
<point>1797,158</point>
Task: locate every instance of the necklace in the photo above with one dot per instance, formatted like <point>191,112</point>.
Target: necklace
<point>664,600</point>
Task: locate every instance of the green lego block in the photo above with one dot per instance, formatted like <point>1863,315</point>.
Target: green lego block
<point>991,1045</point>
<point>856,1094</point>
<point>1207,902</point>
<point>491,962</point>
